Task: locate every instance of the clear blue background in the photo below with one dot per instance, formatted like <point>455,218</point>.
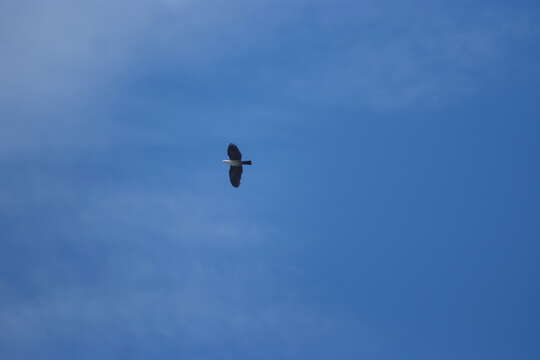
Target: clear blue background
<point>391,211</point>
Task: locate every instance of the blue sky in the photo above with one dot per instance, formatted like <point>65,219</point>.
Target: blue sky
<point>391,211</point>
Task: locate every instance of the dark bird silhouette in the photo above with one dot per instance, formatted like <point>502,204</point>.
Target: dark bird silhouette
<point>235,160</point>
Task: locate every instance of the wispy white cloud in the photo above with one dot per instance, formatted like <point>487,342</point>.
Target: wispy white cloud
<point>400,56</point>
<point>207,310</point>
<point>173,215</point>
<point>165,266</point>
<point>144,263</point>
<point>165,260</point>
<point>65,66</point>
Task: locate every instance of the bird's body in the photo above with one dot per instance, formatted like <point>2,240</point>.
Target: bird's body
<point>235,161</point>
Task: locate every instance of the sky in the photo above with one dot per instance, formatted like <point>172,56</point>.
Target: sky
<point>391,211</point>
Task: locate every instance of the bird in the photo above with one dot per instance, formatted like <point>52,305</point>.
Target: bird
<point>235,160</point>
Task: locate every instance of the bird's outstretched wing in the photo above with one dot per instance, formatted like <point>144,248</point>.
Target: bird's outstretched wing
<point>235,174</point>
<point>233,152</point>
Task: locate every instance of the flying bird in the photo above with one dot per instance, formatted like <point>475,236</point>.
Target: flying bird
<point>235,160</point>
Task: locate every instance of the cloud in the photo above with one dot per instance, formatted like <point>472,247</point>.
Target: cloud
<point>152,269</point>
<point>72,73</point>
<point>65,65</point>
<point>200,313</point>
<point>113,234</point>
<point>172,216</point>
<point>394,57</point>
<point>104,266</point>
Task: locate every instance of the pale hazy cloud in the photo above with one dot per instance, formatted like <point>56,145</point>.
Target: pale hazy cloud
<point>64,67</point>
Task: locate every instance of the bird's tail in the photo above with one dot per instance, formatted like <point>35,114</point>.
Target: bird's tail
<point>246,162</point>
